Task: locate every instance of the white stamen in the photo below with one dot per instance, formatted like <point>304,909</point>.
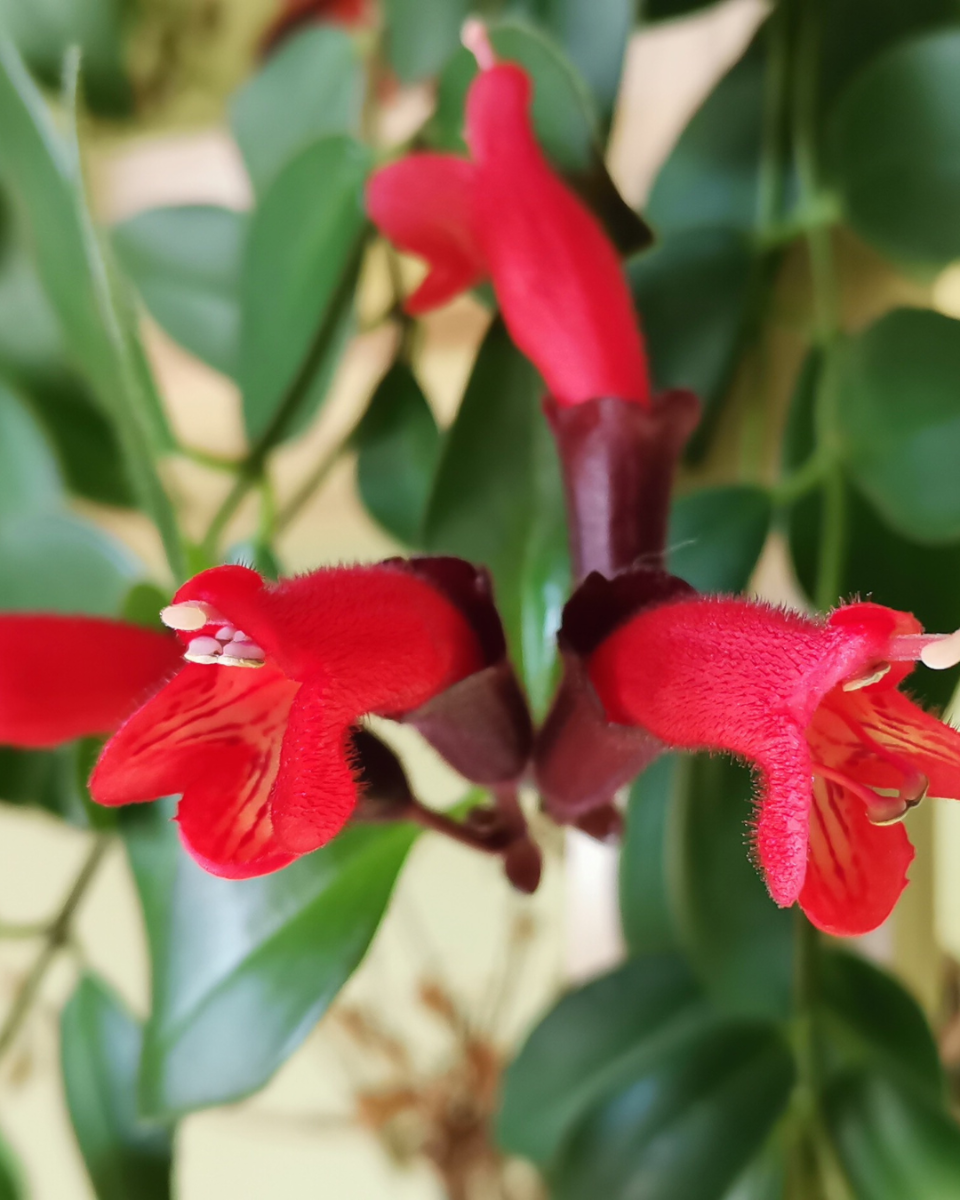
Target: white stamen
<point>186,617</point>
<point>862,681</point>
<point>942,654</point>
<point>239,636</point>
<point>245,650</point>
<point>475,37</point>
<point>225,633</point>
<point>203,649</point>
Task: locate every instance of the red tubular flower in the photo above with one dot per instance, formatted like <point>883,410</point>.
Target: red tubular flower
<point>842,754</point>
<point>262,757</point>
<point>67,677</point>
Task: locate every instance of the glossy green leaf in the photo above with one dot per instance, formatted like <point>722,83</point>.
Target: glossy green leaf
<point>868,1019</point>
<point>614,1029</point>
<point>903,455</point>
<point>100,1047</point>
<point>243,970</point>
<point>647,907</point>
<point>716,536</point>
<point>712,176</point>
<point>494,495</point>
<point>56,562</point>
<point>892,1143</point>
<point>692,291</point>
<point>186,264</point>
<point>12,1185</point>
<point>422,34</point>
<point>740,943</point>
<point>893,143</point>
<point>97,321</point>
<point>686,1125</point>
<point>764,1177</point>
<point>44,30</point>
<point>302,256</point>
<point>398,447</point>
<point>29,479</point>
<point>564,117</point>
<point>30,338</point>
<point>312,87</point>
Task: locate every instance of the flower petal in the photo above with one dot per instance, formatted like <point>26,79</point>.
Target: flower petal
<point>68,677</point>
<point>557,276</point>
<point>856,870</point>
<point>214,735</point>
<point>424,204</point>
<point>316,790</point>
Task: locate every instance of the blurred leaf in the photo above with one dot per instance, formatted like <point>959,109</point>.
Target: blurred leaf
<point>716,536</point>
<point>54,781</point>
<point>495,495</point>
<point>312,87</point>
<point>243,969</point>
<point>594,37</point>
<point>564,118</point>
<point>597,1037</point>
<point>712,176</point>
<point>44,30</point>
<point>422,34</point>
<point>868,1019</point>
<point>646,907</point>
<point>29,479</point>
<point>666,10</point>
<point>254,553</point>
<point>903,455</point>
<point>97,321</point>
<point>740,943</point>
<point>398,447</point>
<point>186,264</point>
<point>686,1125</point>
<point>56,562</point>
<point>692,291</point>
<point>12,1185</point>
<point>30,337</point>
<point>894,141</point>
<point>891,1143</point>
<point>303,251</point>
<point>764,1177</point>
<point>100,1051</point>
<point>142,605</point>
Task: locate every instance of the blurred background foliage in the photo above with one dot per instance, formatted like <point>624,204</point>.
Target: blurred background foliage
<point>790,265</point>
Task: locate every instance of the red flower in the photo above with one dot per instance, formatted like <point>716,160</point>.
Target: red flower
<point>67,677</point>
<point>261,756</point>
<point>814,704</point>
<point>504,213</point>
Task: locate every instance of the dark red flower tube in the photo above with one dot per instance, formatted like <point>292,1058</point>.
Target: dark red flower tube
<point>841,754</point>
<point>262,756</point>
<point>67,677</point>
<point>295,14</point>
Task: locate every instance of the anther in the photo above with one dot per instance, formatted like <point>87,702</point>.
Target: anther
<point>873,675</point>
<point>203,650</point>
<point>943,653</point>
<point>225,633</point>
<point>190,615</point>
<point>242,654</point>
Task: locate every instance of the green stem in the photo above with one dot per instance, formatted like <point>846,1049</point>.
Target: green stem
<point>57,935</point>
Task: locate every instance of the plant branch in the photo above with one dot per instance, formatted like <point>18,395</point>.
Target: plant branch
<point>57,935</point>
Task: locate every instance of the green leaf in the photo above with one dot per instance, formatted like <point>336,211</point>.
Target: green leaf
<point>687,1125</point>
<point>186,264</point>
<point>612,1030</point>
<point>12,1185</point>
<point>312,87</point>
<point>243,970</point>
<point>903,456</point>
<point>765,1176</point>
<point>892,1143</point>
<point>495,497</point>
<point>51,780</point>
<point>739,942</point>
<point>29,479</point>
<point>668,10</point>
<point>893,143</point>
<point>564,118</point>
<point>646,903</point>
<point>101,1044</point>
<point>692,292</point>
<point>422,34</point>
<point>398,447</point>
<point>303,251</point>
<point>716,536</point>
<point>712,176</point>
<point>44,30</point>
<point>97,321</point>
<point>56,562</point>
<point>868,1019</point>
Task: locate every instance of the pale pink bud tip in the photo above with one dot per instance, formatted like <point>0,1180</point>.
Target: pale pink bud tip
<point>475,37</point>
